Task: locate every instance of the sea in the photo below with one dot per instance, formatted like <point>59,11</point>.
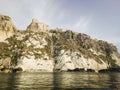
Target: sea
<point>60,81</point>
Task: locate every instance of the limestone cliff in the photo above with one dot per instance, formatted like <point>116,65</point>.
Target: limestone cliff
<point>36,26</point>
<point>39,49</point>
<point>7,28</point>
<point>75,50</point>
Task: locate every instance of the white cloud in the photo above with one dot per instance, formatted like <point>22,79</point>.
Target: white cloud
<point>83,24</point>
<point>23,11</point>
<point>61,15</point>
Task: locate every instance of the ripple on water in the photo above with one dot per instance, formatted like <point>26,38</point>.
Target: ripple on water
<point>62,80</point>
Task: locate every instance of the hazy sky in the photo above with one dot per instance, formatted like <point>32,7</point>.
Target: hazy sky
<point>98,18</point>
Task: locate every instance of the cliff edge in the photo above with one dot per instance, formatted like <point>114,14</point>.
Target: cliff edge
<point>40,49</point>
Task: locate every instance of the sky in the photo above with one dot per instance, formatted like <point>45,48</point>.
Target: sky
<point>98,18</point>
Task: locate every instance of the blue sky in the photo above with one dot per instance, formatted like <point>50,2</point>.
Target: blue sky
<point>98,18</point>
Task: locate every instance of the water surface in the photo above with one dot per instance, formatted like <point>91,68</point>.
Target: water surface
<point>59,81</point>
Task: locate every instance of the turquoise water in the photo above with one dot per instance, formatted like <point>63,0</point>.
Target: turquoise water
<point>59,81</point>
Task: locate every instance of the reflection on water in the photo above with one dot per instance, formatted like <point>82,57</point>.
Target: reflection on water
<point>58,80</point>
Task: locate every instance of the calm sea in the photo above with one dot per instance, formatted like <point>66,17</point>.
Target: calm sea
<point>60,81</point>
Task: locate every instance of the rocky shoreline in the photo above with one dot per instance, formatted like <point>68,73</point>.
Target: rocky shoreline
<point>18,70</point>
<point>100,71</point>
<point>11,70</point>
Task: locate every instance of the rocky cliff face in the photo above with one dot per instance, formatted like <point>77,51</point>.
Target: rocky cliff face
<point>7,28</point>
<point>40,49</point>
<point>76,50</point>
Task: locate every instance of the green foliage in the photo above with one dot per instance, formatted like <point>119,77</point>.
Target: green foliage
<point>37,56</point>
<point>104,58</point>
<point>25,38</point>
<point>109,60</point>
<point>4,50</point>
<point>48,47</point>
<point>67,45</point>
<point>12,48</point>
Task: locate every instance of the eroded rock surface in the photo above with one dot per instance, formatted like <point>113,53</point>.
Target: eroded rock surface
<point>39,49</point>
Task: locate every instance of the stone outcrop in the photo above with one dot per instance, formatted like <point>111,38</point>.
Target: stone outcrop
<point>6,62</point>
<point>39,49</point>
<point>7,28</point>
<point>37,26</point>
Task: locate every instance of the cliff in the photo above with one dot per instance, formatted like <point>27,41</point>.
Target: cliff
<point>7,28</point>
<point>40,49</point>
